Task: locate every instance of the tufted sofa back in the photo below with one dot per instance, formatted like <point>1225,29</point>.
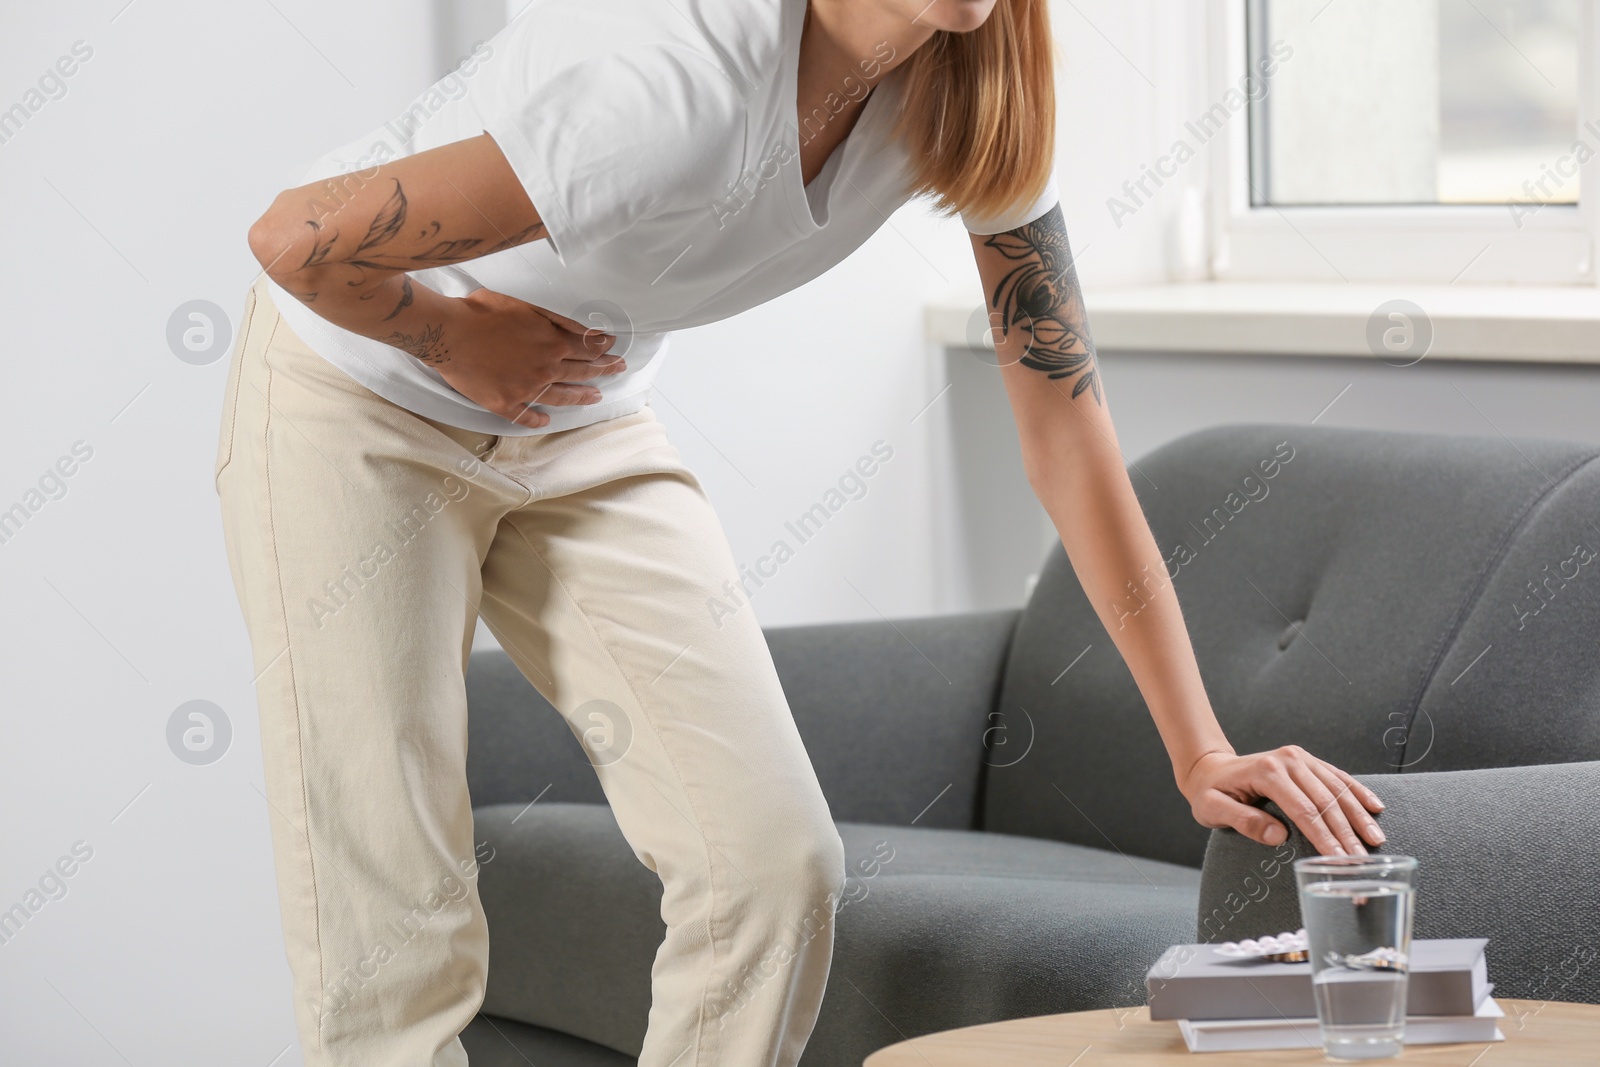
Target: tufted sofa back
<point>1392,602</point>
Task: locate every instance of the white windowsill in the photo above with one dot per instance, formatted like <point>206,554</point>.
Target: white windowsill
<point>1559,324</point>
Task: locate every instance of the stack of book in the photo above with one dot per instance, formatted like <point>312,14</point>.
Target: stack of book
<point>1225,1003</point>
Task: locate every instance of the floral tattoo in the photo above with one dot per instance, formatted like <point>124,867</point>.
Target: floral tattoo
<point>1040,295</point>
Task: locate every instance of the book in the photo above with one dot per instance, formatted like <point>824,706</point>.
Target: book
<point>1446,976</point>
<point>1238,1035</point>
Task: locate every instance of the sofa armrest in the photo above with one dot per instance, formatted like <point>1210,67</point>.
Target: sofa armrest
<point>895,714</point>
<point>1507,853</point>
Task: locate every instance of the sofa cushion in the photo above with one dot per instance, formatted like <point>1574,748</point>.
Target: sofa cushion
<point>961,928</point>
<point>938,928</point>
<point>574,921</point>
<point>1325,576</point>
<point>495,1041</point>
<point>1520,682</point>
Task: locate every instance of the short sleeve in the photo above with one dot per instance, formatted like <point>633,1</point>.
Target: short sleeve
<point>613,139</point>
<point>1047,200</point>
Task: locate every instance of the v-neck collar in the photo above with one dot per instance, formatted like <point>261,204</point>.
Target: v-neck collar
<point>843,152</point>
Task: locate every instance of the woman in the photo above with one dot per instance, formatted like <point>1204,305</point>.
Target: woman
<point>422,426</point>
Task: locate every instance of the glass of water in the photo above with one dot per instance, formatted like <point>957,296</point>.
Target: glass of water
<point>1357,915</point>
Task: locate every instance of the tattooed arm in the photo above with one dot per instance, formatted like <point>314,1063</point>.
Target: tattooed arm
<point>1075,466</point>
<point>343,246</point>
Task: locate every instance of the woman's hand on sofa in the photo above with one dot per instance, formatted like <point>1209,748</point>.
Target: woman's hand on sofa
<point>1327,804</point>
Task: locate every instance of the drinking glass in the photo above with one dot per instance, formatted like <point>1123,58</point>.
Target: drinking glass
<point>1357,915</point>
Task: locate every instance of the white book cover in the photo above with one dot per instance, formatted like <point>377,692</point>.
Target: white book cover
<point>1238,1035</point>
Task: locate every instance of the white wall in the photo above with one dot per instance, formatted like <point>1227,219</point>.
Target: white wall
<point>124,198</point>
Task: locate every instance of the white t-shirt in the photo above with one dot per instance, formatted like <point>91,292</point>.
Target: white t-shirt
<point>659,143</point>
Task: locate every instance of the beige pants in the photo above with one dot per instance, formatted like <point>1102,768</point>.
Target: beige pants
<point>364,541</point>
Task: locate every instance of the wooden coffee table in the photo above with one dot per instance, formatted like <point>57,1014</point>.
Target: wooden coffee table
<point>1539,1033</point>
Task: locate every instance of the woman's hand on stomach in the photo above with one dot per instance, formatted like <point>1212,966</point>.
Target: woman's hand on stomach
<point>506,354</point>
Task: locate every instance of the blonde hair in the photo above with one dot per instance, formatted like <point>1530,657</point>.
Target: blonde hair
<point>978,112</point>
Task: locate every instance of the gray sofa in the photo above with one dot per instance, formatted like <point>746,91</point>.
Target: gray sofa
<point>1419,609</point>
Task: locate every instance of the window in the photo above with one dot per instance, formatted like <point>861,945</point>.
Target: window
<point>1439,141</point>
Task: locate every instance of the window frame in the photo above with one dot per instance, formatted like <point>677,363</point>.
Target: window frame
<point>1422,244</point>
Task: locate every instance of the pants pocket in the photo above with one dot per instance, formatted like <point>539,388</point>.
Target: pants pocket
<point>230,392</point>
